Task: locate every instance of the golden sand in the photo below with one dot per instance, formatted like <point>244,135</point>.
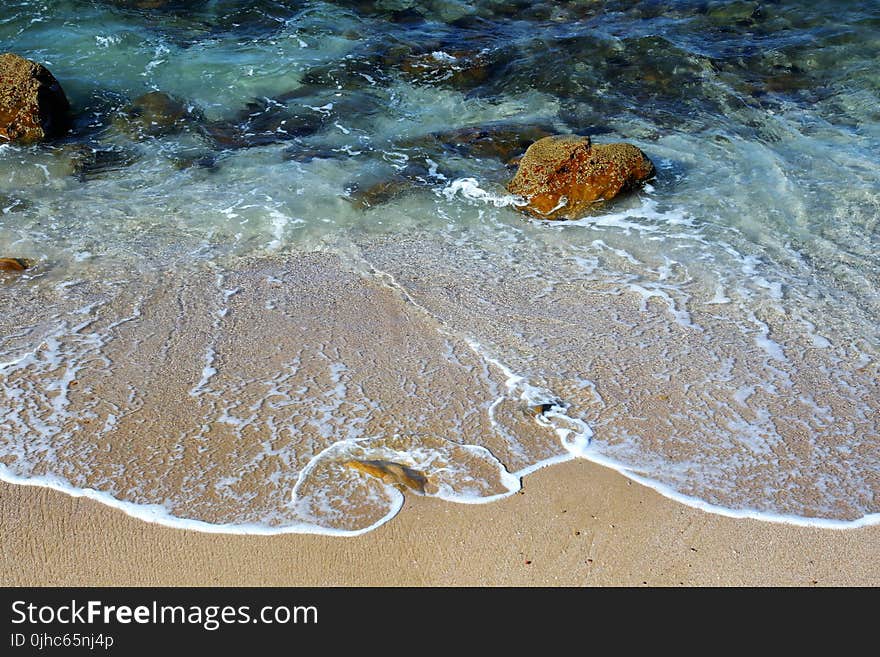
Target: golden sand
<point>574,524</point>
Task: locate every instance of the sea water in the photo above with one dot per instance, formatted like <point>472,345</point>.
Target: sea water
<point>315,261</point>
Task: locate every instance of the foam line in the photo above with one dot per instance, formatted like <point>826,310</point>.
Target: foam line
<point>159,515</point>
<point>740,514</point>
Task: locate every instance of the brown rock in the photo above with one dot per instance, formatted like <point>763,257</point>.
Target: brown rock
<point>391,473</point>
<point>380,192</point>
<point>33,106</point>
<point>15,264</point>
<point>565,176</point>
<point>459,69</point>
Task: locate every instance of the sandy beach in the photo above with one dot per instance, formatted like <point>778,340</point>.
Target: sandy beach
<point>571,524</point>
<point>574,524</point>
<point>328,293</point>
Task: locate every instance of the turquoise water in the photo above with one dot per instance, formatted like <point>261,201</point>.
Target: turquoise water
<point>714,335</point>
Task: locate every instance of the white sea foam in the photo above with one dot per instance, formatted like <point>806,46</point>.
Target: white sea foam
<point>107,41</point>
<point>702,505</point>
<point>469,188</point>
<point>157,514</point>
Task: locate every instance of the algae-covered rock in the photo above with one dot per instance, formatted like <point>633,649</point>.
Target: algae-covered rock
<point>33,107</point>
<point>564,176</point>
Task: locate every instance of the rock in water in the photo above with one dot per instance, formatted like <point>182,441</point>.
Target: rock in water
<point>391,473</point>
<point>15,264</point>
<point>564,176</point>
<point>154,114</point>
<point>33,106</point>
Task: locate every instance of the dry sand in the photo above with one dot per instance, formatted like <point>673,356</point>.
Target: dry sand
<point>572,524</point>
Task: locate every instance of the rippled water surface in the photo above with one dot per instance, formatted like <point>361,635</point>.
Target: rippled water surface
<point>295,253</point>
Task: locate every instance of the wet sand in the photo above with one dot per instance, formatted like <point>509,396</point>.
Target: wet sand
<point>573,524</point>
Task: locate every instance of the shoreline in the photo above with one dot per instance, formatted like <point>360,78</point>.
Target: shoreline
<point>577,523</point>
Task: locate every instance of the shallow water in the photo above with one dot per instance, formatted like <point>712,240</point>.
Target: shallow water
<point>313,264</point>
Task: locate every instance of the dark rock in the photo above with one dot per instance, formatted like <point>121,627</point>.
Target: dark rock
<point>263,122</point>
<point>33,107</point>
<point>196,160</point>
<point>142,4</point>
<point>459,69</point>
<point>154,114</point>
<point>380,192</point>
<point>11,204</point>
<point>306,154</point>
<point>369,195</point>
<point>348,74</point>
<point>501,141</point>
<point>164,5</point>
<point>89,161</point>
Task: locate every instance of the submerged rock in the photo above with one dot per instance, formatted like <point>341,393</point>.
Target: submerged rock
<point>458,69</point>
<point>12,204</point>
<point>154,114</point>
<point>739,11</point>
<point>392,473</point>
<point>368,196</point>
<point>267,121</point>
<point>88,161</point>
<point>33,107</point>
<point>351,74</point>
<point>194,159</point>
<point>501,141</point>
<point>302,153</point>
<point>148,4</point>
<point>564,176</point>
<point>15,264</point>
<point>380,192</point>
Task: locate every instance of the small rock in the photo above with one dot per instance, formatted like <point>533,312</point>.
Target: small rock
<point>458,69</point>
<point>141,4</point>
<point>739,11</point>
<point>12,204</point>
<point>89,161</point>
<point>198,160</point>
<point>15,264</point>
<point>500,141</point>
<point>300,153</point>
<point>565,176</point>
<point>33,107</point>
<point>380,192</point>
<point>154,114</point>
<point>412,177</point>
<point>391,473</point>
<point>265,121</point>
